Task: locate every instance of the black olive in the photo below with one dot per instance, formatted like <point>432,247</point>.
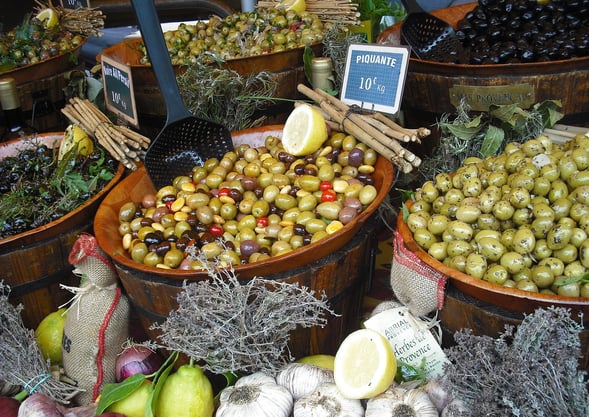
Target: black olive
<point>152,239</point>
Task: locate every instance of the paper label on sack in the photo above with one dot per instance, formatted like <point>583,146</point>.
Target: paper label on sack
<point>410,338</point>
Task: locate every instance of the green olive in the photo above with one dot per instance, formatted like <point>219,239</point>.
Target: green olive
<point>527,285</point>
<point>468,213</point>
<point>454,196</point>
<point>578,236</point>
<point>437,223</point>
<point>541,250</point>
<point>567,254</point>
<point>570,290</point>
<point>561,207</point>
<point>488,222</point>
<point>443,182</point>
<point>472,187</point>
<point>424,238</point>
<point>491,248</point>
<point>558,236</point>
<point>329,210</point>
<point>524,241</point>
<point>496,274</point>
<point>460,230</point>
<point>438,250</point>
<point>429,192</point>
<point>513,262</point>
<point>458,248</point>
<point>476,265</point>
<point>519,197</point>
<point>127,212</point>
<point>503,210</point>
<point>542,276</point>
<point>555,264</point>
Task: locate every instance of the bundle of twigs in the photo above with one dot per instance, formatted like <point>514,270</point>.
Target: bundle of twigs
<point>124,144</point>
<point>560,133</point>
<point>22,362</point>
<point>82,20</point>
<point>335,11</point>
<point>374,129</point>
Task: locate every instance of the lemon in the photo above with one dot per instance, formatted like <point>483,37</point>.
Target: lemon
<point>298,6</point>
<point>134,404</point>
<point>48,17</point>
<point>186,393</point>
<point>49,333</point>
<point>365,365</point>
<point>304,131</point>
<point>75,135</point>
<point>321,360</point>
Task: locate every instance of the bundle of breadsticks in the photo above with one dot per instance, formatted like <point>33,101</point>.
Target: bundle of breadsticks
<point>372,128</point>
<point>123,143</point>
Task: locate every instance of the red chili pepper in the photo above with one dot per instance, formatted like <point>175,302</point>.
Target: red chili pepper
<point>325,185</point>
<point>328,195</point>
<point>262,221</point>
<point>169,204</point>
<point>223,191</point>
<point>216,230</point>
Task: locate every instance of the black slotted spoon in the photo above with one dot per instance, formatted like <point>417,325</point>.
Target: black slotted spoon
<point>185,140</point>
<point>430,37</point>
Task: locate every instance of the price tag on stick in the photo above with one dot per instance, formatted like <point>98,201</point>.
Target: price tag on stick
<point>375,77</point>
<point>118,89</point>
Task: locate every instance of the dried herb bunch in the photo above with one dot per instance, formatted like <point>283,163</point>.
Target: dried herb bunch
<point>336,42</point>
<point>531,371</point>
<point>240,327</point>
<point>223,95</point>
<point>21,361</point>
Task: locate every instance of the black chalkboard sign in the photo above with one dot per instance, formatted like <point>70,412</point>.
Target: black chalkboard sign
<point>75,4</point>
<point>118,89</point>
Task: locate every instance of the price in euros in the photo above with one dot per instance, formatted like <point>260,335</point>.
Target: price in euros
<point>117,99</point>
<point>370,83</point>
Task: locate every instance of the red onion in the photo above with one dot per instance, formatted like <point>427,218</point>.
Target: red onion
<point>39,405</point>
<point>136,359</point>
<point>8,407</point>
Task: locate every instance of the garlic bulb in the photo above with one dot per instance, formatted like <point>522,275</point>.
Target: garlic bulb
<point>437,394</point>
<point>302,378</point>
<point>397,402</point>
<point>255,395</point>
<point>327,401</point>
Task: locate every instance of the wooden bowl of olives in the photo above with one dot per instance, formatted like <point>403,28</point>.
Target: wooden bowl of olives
<point>517,52</point>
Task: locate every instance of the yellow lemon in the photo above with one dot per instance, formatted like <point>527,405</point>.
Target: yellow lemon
<point>49,333</point>
<point>304,131</point>
<point>134,404</point>
<point>75,136</point>
<point>321,360</point>
<point>298,6</point>
<point>365,365</point>
<point>48,17</point>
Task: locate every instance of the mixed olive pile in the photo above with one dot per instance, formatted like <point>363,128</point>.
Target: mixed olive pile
<point>507,31</point>
<point>519,219</point>
<point>36,188</point>
<point>31,42</point>
<point>251,204</point>
<point>242,34</point>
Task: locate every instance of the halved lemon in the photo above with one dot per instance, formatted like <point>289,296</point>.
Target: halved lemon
<point>74,135</point>
<point>49,17</point>
<point>298,6</point>
<point>304,131</point>
<point>364,365</point>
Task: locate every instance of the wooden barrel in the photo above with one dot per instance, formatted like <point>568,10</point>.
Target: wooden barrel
<point>338,265</point>
<point>35,262</point>
<point>487,308</point>
<point>434,88</point>
<point>286,67</point>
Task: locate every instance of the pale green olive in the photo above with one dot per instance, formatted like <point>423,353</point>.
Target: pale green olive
<point>497,178</point>
<point>578,236</point>
<point>542,276</point>
<point>472,187</point>
<point>570,290</point>
<point>578,210</point>
<point>507,238</point>
<point>454,196</point>
<point>424,238</point>
<point>567,254</point>
<point>418,205</point>
<point>575,269</point>
<point>461,230</point>
<point>457,262</point>
<point>550,171</point>
<point>580,194</point>
<point>496,274</point>
<point>524,240</point>
<point>513,262</point>
<point>558,189</point>
<point>561,207</point>
<point>578,179</point>
<point>448,210</point>
<point>533,147</point>
<point>567,167</point>
<point>458,247</point>
<point>521,216</point>
<point>541,250</point>
<point>541,186</point>
<point>491,248</point>
<point>542,210</point>
<point>581,157</point>
<point>416,220</point>
<point>476,265</point>
<point>437,223</point>
<point>488,221</point>
<point>540,226</point>
<point>524,275</point>
<point>468,213</point>
<point>526,285</point>
<point>518,179</point>
<point>558,236</point>
<point>429,192</point>
<point>438,250</point>
<point>555,264</point>
<point>443,182</point>
<point>503,210</point>
<point>487,233</point>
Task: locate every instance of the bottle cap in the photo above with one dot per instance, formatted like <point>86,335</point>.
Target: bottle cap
<point>9,99</point>
<point>321,63</point>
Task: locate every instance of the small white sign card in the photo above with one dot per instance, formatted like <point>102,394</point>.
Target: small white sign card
<point>375,76</point>
<point>411,339</point>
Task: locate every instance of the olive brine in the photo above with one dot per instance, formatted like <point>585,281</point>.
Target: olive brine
<point>519,219</point>
<point>252,204</point>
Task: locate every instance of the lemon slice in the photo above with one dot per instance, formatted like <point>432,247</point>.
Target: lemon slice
<point>48,17</point>
<point>298,6</point>
<point>365,365</point>
<point>75,136</point>
<point>304,131</point>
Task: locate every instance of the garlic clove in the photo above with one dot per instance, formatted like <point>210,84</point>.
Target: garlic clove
<point>327,401</point>
<point>302,378</point>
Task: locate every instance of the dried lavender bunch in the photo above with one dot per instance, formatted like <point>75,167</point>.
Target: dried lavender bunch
<point>240,327</point>
<point>531,371</point>
<point>21,362</point>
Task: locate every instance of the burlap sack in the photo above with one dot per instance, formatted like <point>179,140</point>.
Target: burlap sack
<point>96,326</point>
<point>415,284</point>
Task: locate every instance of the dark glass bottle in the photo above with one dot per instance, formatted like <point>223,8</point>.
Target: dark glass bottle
<point>14,124</point>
